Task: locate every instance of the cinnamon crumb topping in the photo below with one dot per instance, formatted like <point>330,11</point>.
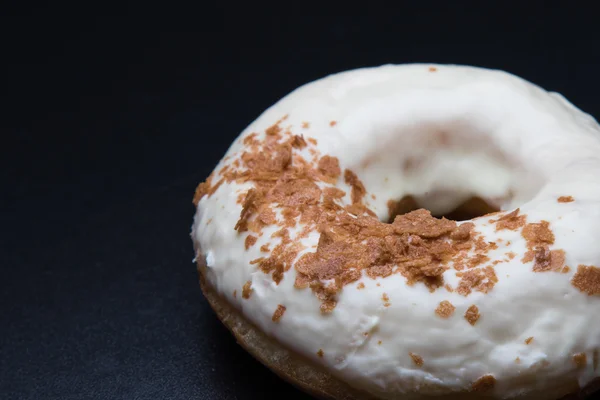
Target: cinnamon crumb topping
<point>358,189</point>
<point>417,359</point>
<point>472,314</point>
<point>386,300</point>
<point>484,384</point>
<point>545,259</point>
<point>200,192</point>
<point>247,290</point>
<point>265,248</point>
<point>287,190</point>
<point>379,342</point>
<point>273,130</point>
<point>250,241</point>
<point>565,199</point>
<point>538,234</point>
<point>529,340</point>
<point>320,353</point>
<point>481,280</point>
<point>580,360</point>
<point>445,309</point>
<point>278,313</point>
<point>511,221</point>
<point>587,280</point>
<point>329,166</point>
<point>332,123</point>
<point>432,69</point>
<point>305,125</point>
<point>298,142</point>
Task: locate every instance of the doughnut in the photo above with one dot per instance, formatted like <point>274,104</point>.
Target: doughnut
<point>411,231</point>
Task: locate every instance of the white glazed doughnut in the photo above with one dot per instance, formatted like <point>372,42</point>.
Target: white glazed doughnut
<point>292,227</point>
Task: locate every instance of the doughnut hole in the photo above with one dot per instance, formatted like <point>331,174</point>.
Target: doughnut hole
<point>469,209</point>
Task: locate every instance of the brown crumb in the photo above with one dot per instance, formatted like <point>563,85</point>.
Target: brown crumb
<point>417,359</point>
<point>445,309</point>
<point>587,280</point>
<point>250,241</point>
<point>201,191</point>
<point>329,166</point>
<point>320,353</point>
<point>386,300</point>
<point>353,242</point>
<point>432,69</point>
<point>247,290</point>
<point>332,123</point>
<point>565,199</point>
<point>273,129</point>
<point>538,233</point>
<point>305,125</point>
<point>518,360</point>
<point>472,314</point>
<point>278,313</point>
<point>265,248</point>
<point>358,189</point>
<point>511,221</point>
<point>379,342</point>
<point>548,260</point>
<point>580,360</point>
<point>298,142</point>
<point>484,384</point>
<point>209,221</point>
<point>529,340</point>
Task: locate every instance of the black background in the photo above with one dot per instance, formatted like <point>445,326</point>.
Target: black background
<point>109,123</point>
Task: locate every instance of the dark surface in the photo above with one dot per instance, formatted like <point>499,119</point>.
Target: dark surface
<point>109,124</point>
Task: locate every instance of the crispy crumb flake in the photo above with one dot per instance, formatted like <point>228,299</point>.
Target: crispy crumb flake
<point>250,241</point>
<point>320,353</point>
<point>445,309</point>
<point>565,199</point>
<point>472,314</point>
<point>278,313</point>
<point>511,221</point>
<point>297,196</point>
<point>587,280</point>
<point>417,359</point>
<point>529,340</point>
<point>247,290</point>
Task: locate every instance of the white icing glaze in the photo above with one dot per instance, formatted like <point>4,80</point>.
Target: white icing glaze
<point>468,131</point>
